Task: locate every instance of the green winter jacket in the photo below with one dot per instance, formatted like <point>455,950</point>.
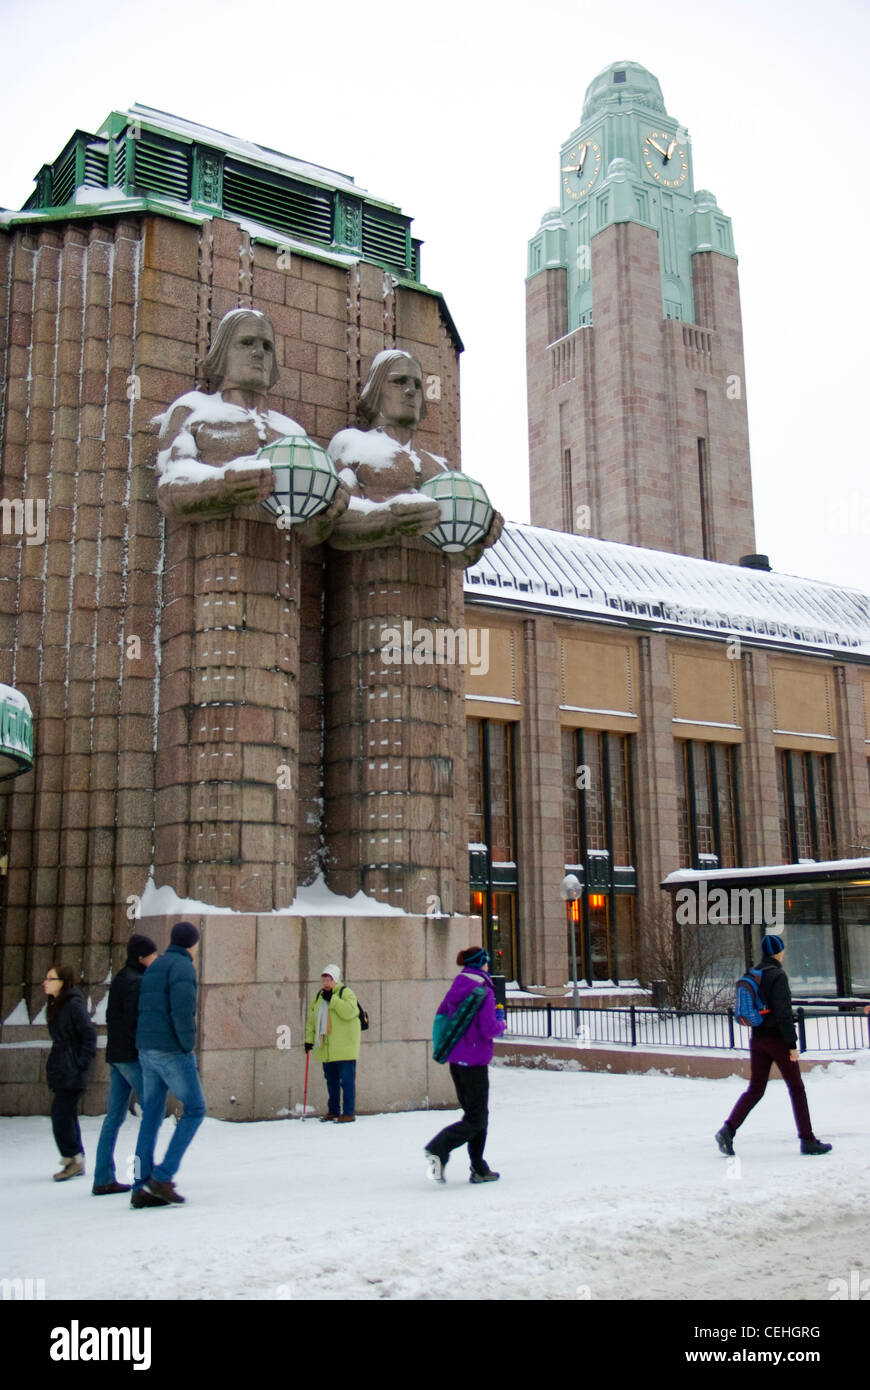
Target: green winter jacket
<point>341,1042</point>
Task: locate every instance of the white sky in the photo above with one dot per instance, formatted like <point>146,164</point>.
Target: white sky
<point>456,111</point>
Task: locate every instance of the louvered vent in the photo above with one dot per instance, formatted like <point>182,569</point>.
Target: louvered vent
<point>63,179</point>
<point>292,207</point>
<point>385,239</point>
<point>96,167</point>
<point>120,162</point>
<point>162,168</point>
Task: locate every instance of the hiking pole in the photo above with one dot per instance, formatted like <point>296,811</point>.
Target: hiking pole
<point>305,1091</point>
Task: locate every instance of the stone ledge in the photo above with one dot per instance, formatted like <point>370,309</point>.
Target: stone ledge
<point>631,1060</point>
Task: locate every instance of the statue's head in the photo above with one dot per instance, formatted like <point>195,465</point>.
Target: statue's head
<point>242,353</point>
<point>393,393</point>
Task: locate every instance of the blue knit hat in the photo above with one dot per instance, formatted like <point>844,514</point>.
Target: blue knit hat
<point>474,956</point>
<point>771,945</point>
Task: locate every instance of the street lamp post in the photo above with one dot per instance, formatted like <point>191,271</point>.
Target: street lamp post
<point>570,890</point>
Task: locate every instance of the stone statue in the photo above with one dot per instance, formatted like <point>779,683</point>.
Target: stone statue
<point>208,441</point>
<point>383,470</point>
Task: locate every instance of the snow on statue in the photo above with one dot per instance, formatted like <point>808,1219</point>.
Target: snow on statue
<point>208,443</point>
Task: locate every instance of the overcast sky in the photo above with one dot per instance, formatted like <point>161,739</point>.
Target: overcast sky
<point>456,110</point>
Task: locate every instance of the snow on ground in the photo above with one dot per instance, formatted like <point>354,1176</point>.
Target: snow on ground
<point>612,1188</point>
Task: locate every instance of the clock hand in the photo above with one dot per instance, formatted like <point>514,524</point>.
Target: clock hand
<point>671,147</point>
<point>657,146</point>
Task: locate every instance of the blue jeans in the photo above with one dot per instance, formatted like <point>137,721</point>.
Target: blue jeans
<point>124,1079</point>
<point>163,1072</point>
<point>340,1077</point>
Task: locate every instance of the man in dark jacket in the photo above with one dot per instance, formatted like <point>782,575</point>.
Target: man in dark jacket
<point>165,1037</point>
<point>125,1073</point>
<point>774,1040</point>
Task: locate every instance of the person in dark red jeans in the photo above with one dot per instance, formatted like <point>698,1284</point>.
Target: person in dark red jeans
<point>774,1040</point>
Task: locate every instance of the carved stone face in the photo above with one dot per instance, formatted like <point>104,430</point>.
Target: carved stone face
<point>402,395</point>
<point>250,356</point>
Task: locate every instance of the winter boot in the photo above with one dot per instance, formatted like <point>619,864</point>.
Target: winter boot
<point>815,1146</point>
<point>165,1190</point>
<point>345,1119</point>
<point>725,1140</point>
<point>486,1176</point>
<point>105,1188</point>
<point>144,1198</point>
<point>434,1166</point>
<point>72,1168</point>
<point>324,1119</point>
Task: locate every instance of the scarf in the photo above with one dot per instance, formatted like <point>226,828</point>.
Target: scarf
<point>321,1026</point>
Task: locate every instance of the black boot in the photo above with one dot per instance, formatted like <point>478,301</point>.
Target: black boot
<point>815,1146</point>
<point>725,1140</point>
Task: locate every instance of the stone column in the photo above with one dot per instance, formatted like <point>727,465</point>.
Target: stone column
<point>392,729</point>
<point>227,737</point>
<point>541,838</point>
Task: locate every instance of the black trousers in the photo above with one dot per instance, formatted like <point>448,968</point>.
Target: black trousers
<point>472,1090</point>
<point>65,1122</point>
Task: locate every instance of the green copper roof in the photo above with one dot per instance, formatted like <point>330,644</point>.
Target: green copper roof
<point>145,157</point>
<point>623,84</point>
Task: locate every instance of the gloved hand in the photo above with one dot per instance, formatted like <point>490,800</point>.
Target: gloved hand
<point>308,1046</point>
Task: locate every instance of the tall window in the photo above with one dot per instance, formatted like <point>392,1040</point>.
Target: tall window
<point>707,816</point>
<point>806,808</point>
<point>492,839</point>
<point>597,829</point>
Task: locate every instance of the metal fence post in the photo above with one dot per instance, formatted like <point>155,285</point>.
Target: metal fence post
<point>549,1020</point>
<point>802,1031</point>
<point>633,1026</point>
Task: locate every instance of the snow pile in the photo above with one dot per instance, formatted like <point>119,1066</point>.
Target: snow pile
<point>314,900</point>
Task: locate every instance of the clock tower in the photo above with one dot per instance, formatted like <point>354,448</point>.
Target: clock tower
<point>637,403</point>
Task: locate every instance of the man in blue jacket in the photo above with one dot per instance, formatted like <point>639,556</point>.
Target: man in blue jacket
<point>165,1038</point>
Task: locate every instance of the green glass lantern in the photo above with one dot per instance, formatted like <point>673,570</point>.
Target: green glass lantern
<point>16,733</point>
<point>466,511</point>
<point>305,478</point>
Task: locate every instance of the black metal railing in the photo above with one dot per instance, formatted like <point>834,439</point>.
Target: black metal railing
<point>819,1030</point>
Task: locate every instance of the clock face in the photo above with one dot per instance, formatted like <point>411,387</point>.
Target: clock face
<point>665,159</point>
<point>581,166</point>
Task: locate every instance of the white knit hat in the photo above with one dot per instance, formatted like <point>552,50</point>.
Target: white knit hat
<point>333,970</point>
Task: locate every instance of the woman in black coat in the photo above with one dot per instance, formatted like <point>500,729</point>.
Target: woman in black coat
<point>68,1069</point>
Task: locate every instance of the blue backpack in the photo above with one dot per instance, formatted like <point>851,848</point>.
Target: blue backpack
<point>449,1029</point>
<point>749,1007</point>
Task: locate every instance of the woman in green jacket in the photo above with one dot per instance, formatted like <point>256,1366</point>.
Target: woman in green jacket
<point>333,1031</point>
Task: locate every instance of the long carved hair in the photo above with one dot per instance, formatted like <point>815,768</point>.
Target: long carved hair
<point>370,395</point>
<point>214,367</point>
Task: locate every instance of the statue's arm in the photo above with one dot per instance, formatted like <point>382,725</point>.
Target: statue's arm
<point>190,486</point>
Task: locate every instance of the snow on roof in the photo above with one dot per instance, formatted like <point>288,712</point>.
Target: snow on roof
<point>11,696</point>
<point>804,869</point>
<point>581,576</point>
<point>246,149</point>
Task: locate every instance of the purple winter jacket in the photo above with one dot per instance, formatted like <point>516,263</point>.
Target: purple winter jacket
<point>474,1049</point>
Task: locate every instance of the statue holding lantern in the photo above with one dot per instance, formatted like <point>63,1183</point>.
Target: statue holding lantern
<point>224,449</point>
<point>397,489</point>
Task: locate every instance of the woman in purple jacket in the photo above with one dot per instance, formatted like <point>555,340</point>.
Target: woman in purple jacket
<point>469,1063</point>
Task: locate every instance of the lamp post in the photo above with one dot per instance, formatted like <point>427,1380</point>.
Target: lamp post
<point>570,890</point>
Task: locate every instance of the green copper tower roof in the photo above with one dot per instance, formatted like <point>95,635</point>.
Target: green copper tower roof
<point>629,160</point>
<point>622,84</point>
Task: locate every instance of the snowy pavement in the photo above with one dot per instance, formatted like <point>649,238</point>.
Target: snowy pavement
<point>612,1188</point>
